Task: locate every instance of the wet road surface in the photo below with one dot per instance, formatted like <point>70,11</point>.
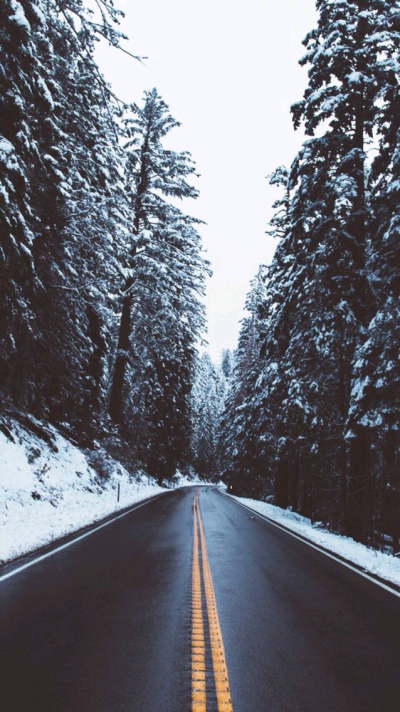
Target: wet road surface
<point>107,624</point>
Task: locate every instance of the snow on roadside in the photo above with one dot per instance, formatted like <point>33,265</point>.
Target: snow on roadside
<point>50,490</point>
<point>194,481</point>
<point>383,565</point>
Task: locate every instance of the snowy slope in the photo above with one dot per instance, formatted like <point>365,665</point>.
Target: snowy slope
<point>48,489</point>
<point>383,565</point>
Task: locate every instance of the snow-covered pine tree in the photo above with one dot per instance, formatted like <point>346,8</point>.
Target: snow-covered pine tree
<point>276,406</point>
<point>205,414</point>
<point>351,78</point>
<point>329,275</point>
<point>208,400</point>
<point>61,210</point>
<point>24,97</point>
<point>84,267</point>
<point>167,321</point>
<point>227,363</point>
<point>153,173</point>
<point>375,395</point>
<point>162,315</point>
<point>241,446</point>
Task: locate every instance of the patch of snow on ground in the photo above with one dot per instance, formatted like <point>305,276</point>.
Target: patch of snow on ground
<point>371,561</point>
<point>193,481</point>
<point>47,492</point>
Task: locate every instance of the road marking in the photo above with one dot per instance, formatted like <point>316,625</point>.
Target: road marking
<point>315,546</point>
<point>220,671</point>
<point>78,538</point>
<point>199,703</point>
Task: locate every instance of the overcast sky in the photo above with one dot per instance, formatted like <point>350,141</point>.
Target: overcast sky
<point>229,72</point>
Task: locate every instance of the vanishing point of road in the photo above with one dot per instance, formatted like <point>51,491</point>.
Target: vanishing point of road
<point>192,603</point>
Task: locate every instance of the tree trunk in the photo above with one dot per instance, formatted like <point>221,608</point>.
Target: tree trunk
<point>359,521</point>
<point>115,406</point>
<point>344,406</point>
<point>294,483</point>
<point>92,402</point>
<point>391,485</point>
<point>281,483</point>
<point>359,505</point>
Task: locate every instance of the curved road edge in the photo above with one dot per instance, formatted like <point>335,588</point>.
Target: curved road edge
<point>11,568</point>
<point>383,583</point>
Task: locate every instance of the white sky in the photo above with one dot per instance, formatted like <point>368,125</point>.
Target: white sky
<point>229,72</point>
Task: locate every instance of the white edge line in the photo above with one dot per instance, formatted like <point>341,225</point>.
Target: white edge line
<point>315,546</point>
<point>78,538</point>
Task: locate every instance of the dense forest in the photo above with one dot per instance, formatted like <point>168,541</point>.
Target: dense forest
<point>312,418</point>
<point>103,273</point>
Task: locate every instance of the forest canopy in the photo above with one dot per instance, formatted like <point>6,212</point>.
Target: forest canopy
<point>103,272</point>
<point>312,418</point>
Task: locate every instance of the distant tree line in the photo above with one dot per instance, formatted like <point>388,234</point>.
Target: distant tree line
<point>313,414</point>
<point>102,275</point>
<point>209,394</point>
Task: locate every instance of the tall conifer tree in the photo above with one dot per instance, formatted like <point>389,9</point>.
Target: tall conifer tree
<point>162,316</point>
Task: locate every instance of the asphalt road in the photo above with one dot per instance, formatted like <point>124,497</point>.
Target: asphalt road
<point>105,624</point>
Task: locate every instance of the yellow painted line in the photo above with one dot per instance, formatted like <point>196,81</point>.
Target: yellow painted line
<point>217,647</point>
<point>199,703</point>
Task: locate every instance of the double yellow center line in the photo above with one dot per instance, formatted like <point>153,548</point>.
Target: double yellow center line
<point>202,574</point>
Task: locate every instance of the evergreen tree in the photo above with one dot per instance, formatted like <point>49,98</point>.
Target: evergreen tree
<point>240,441</point>
<point>374,403</point>
<point>351,79</point>
<point>227,363</point>
<point>80,267</point>
<point>162,316</point>
<point>24,96</point>
<point>62,212</point>
<point>325,283</point>
<point>208,399</point>
<point>153,173</point>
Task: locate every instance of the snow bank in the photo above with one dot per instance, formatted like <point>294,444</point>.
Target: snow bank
<point>383,565</point>
<point>194,481</point>
<point>49,489</point>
